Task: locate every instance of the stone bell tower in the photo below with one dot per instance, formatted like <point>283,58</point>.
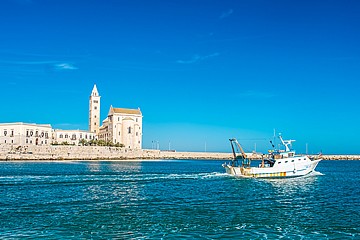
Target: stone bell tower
<point>94,111</point>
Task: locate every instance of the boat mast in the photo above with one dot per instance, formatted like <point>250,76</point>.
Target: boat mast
<point>286,143</point>
<point>245,162</point>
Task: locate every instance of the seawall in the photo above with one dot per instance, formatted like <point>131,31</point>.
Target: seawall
<point>60,152</point>
<point>13,153</point>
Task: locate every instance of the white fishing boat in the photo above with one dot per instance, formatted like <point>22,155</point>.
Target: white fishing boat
<point>276,164</point>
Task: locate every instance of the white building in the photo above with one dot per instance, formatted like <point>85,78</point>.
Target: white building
<point>71,137</point>
<point>19,133</point>
<point>123,126</point>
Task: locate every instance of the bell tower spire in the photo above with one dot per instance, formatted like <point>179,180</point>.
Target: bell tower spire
<point>94,111</point>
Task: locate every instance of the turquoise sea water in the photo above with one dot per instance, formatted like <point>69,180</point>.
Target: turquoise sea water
<point>175,200</point>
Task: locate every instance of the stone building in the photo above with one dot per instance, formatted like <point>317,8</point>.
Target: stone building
<point>20,133</point>
<point>71,137</point>
<point>123,126</point>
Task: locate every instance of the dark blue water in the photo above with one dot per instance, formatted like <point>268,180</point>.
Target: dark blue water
<point>175,199</point>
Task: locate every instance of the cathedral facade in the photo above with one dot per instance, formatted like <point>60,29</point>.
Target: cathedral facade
<point>121,126</point>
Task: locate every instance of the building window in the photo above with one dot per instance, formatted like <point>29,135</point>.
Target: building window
<point>136,119</point>
<point>95,107</point>
<point>73,137</point>
<point>95,123</point>
<point>129,130</point>
<point>46,135</point>
<point>5,141</point>
<point>66,136</point>
<point>12,141</point>
<point>27,140</point>
<point>61,136</point>
<point>12,133</point>
<point>137,134</point>
<point>45,142</point>
<point>96,101</point>
<point>31,133</point>
<point>5,133</point>
<point>36,134</point>
<point>27,133</point>
<point>119,133</point>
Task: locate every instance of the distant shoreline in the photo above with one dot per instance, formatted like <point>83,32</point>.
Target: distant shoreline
<point>61,153</point>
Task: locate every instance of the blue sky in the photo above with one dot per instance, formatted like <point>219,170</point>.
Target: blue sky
<point>202,71</point>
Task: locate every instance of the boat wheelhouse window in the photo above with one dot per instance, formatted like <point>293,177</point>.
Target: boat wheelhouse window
<point>292,160</point>
<point>286,161</point>
<point>304,158</point>
<point>279,162</point>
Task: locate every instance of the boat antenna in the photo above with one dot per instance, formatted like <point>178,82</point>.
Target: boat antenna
<point>274,139</point>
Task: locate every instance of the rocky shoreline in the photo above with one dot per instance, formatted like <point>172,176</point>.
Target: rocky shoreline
<point>57,153</point>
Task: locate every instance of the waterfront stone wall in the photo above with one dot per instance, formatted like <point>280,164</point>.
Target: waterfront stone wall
<point>60,152</point>
<point>8,153</point>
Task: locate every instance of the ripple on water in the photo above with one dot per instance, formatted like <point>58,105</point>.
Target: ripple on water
<point>188,199</point>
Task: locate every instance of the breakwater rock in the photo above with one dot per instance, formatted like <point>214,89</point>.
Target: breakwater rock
<point>53,153</point>
<point>8,153</point>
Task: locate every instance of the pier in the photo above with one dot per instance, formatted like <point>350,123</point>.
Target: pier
<point>13,153</point>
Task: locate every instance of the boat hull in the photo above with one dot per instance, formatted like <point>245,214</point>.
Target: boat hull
<point>296,168</point>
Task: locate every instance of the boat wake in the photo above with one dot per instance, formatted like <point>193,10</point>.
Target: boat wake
<point>315,173</point>
<point>172,176</point>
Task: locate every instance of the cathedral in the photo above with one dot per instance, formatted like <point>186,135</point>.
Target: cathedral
<point>121,126</point>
